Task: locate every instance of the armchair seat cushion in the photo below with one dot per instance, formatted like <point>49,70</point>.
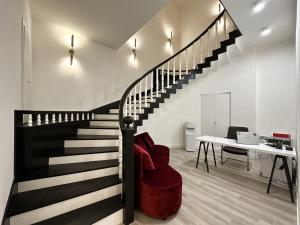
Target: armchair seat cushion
<point>160,193</point>
<point>233,150</point>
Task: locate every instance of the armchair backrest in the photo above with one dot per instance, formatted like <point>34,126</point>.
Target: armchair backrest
<point>231,134</point>
<point>143,161</point>
<point>145,141</point>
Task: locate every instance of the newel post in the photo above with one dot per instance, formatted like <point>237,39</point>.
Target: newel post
<point>128,170</point>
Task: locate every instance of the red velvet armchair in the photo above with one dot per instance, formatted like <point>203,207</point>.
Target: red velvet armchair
<point>158,186</point>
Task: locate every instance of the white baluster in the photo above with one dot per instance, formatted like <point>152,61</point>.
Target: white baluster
<point>180,66</point>
<point>88,116</point>
<point>194,56</point>
<point>59,118</point>
<point>72,117</point>
<point>217,43</point>
<point>201,52</point>
<point>38,120</point>
<point>225,33</point>
<point>140,97</point>
<point>157,82</point>
<point>151,86</point>
<point>93,116</point>
<point>186,62</point>
<point>130,106</point>
<point>146,96</point>
<point>66,117</point>
<point>134,102</point>
<point>174,70</point>
<point>77,116</point>
<point>163,79</point>
<point>82,116</point>
<point>126,107</point>
<point>168,75</point>
<point>208,43</point>
<point>46,119</point>
<point>30,120</point>
<point>53,118</point>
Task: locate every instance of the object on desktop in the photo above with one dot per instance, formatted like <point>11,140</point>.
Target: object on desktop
<point>247,138</point>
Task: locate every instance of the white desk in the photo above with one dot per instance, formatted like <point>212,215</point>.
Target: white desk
<point>278,153</point>
<point>258,148</point>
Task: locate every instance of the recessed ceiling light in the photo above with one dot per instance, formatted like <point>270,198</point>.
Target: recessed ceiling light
<point>266,31</point>
<point>259,6</point>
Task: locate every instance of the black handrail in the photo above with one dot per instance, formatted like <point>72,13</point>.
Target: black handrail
<point>124,97</point>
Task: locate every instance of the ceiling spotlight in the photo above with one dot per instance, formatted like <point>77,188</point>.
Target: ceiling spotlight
<point>266,31</point>
<point>259,6</point>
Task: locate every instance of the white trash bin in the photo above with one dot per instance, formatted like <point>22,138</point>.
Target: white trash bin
<point>189,137</point>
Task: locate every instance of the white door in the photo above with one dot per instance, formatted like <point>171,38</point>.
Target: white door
<point>222,114</point>
<point>215,114</point>
<point>207,115</point>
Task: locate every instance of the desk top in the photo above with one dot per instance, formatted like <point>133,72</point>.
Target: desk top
<point>259,148</point>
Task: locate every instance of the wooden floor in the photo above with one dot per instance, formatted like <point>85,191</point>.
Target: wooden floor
<point>227,195</point>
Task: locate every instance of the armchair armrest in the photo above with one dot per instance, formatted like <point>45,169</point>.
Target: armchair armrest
<point>161,153</point>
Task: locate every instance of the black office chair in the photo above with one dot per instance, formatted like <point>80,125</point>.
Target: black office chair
<point>232,134</point>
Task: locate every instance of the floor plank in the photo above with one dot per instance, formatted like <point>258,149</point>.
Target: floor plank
<point>228,195</point>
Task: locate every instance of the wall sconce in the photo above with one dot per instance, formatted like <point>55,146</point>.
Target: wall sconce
<point>170,39</point>
<point>134,50</point>
<point>71,51</point>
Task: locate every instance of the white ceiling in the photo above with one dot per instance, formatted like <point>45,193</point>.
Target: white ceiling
<point>109,22</point>
<point>279,15</point>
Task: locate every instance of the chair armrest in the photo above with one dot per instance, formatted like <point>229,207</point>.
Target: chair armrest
<point>162,152</point>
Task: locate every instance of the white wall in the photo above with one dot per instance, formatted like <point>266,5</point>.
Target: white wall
<point>262,90</point>
<point>276,92</point>
<point>195,16</point>
<point>11,13</point>
<point>100,74</point>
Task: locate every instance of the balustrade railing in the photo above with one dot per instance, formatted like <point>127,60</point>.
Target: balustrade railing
<point>169,72</point>
<point>40,118</point>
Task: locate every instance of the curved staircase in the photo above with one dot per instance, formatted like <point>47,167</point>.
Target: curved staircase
<point>70,168</point>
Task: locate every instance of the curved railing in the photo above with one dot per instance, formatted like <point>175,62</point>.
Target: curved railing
<point>167,73</point>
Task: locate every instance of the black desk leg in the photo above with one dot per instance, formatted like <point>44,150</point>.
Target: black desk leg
<point>288,177</point>
<point>272,172</point>
<point>205,151</point>
<point>213,149</point>
<point>287,174</point>
<point>199,153</point>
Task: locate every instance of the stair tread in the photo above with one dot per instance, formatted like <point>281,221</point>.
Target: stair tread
<point>93,137</point>
<point>109,120</point>
<point>82,150</point>
<point>70,168</point>
<point>30,200</point>
<point>100,127</point>
<point>87,215</point>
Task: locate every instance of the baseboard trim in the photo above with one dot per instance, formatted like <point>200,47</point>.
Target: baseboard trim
<point>13,190</point>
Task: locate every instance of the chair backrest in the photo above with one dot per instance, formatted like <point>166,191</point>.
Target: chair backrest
<point>231,134</point>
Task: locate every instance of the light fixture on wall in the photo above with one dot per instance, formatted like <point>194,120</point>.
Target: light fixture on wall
<point>170,39</point>
<point>71,50</point>
<point>134,50</point>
